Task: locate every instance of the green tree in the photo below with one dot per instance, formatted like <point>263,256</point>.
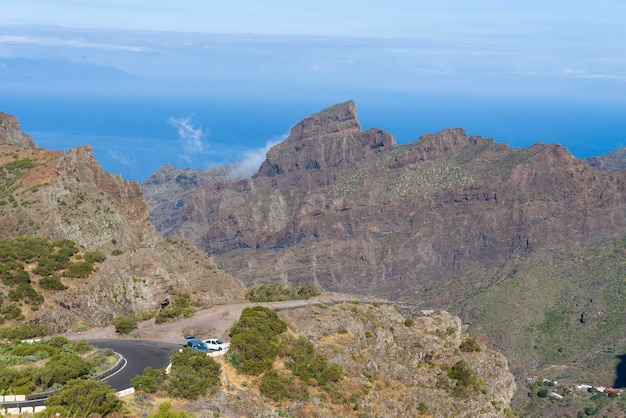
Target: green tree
<point>83,397</point>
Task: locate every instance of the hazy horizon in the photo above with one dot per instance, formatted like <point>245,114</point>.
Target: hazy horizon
<point>137,78</point>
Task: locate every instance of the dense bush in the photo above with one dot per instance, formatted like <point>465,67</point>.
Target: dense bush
<point>308,365</point>
<point>466,381</point>
<point>79,270</point>
<point>278,388</point>
<point>469,346</point>
<point>193,374</point>
<point>254,338</point>
<point>63,368</point>
<point>150,381</point>
<point>94,257</point>
<point>52,282</point>
<point>124,324</point>
<point>277,291</point>
<point>24,331</point>
<point>181,306</point>
<point>85,397</point>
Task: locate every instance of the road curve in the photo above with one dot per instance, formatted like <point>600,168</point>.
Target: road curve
<point>138,354</point>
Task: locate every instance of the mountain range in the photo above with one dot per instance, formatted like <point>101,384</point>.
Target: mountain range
<point>526,245</point>
<point>520,242</point>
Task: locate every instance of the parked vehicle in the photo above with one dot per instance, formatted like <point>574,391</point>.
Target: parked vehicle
<point>196,344</point>
<point>216,344</point>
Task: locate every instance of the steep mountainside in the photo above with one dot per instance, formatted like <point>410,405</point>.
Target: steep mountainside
<point>67,195</point>
<point>613,161</point>
<point>435,220</point>
<point>523,244</point>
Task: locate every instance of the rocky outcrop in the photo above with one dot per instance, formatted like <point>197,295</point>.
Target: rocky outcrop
<point>67,195</point>
<point>394,368</point>
<point>10,132</point>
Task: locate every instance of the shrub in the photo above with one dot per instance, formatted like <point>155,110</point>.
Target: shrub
<point>52,282</point>
<point>254,337</point>
<point>275,292</point>
<point>24,331</point>
<point>63,368</point>
<point>82,346</point>
<point>193,374</point>
<point>277,387</point>
<point>306,364</point>
<point>85,397</point>
<point>117,252</point>
<point>150,381</point>
<point>124,324</point>
<point>469,346</point>
<point>80,270</point>
<point>165,411</point>
<point>466,381</point>
<point>408,322</point>
<point>94,257</point>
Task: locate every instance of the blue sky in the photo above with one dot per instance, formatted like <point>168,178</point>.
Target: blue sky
<point>549,55</point>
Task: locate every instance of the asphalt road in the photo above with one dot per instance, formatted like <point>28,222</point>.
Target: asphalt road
<point>139,354</point>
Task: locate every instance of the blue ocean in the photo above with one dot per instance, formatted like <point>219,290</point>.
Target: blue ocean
<point>135,136</point>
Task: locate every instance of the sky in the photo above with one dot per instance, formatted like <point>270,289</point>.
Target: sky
<point>455,61</point>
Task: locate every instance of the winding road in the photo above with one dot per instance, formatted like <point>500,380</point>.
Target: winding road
<point>138,354</point>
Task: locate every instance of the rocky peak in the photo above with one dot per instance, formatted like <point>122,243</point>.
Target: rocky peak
<point>337,118</point>
<point>445,143</point>
<point>329,138</point>
<point>11,133</point>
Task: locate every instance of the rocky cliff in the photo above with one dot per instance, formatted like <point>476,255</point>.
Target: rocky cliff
<point>58,195</point>
<point>612,161</point>
<point>436,220</point>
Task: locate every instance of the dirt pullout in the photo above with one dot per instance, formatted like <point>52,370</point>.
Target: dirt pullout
<point>211,322</point>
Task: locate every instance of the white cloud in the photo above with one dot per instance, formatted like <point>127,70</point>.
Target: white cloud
<point>122,158</point>
<point>77,43</point>
<point>253,160</point>
<point>190,137</point>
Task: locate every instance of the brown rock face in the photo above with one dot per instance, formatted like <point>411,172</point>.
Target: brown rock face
<point>58,195</point>
<point>11,133</point>
<point>351,211</point>
<point>613,161</point>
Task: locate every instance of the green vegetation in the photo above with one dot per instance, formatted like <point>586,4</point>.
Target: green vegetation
<point>50,259</point>
<point>258,340</point>
<point>124,324</point>
<point>150,381</point>
<point>82,398</point>
<point>255,338</point>
<point>466,381</point>
<point>48,364</point>
<point>275,292</point>
<point>566,311</point>
<point>469,345</point>
<point>165,411</point>
<point>193,374</point>
<point>180,307</point>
